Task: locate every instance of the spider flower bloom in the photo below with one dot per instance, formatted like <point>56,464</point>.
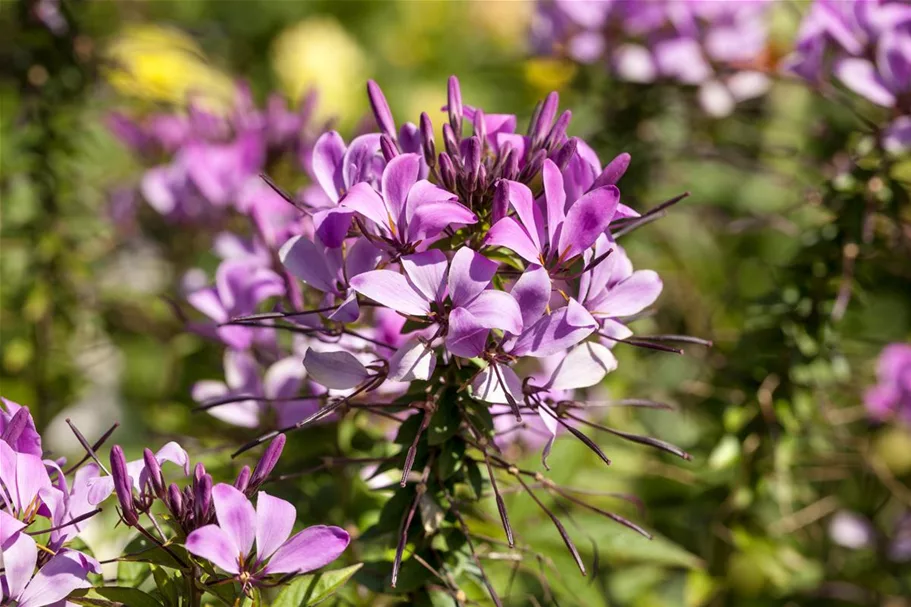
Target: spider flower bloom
<point>17,428</point>
<point>866,45</point>
<point>229,544</point>
<point>891,396</point>
<point>717,46</point>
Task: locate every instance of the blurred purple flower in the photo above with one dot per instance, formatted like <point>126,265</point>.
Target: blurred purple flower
<point>891,396</point>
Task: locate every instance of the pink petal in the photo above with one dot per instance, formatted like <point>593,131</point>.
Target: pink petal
<point>213,544</point>
<point>274,522</point>
<point>487,385</point>
<point>423,193</point>
<point>328,152</point>
<point>559,331</point>
<point>532,293</point>
<point>364,199</point>
<point>61,575</point>
<point>584,366</point>
<point>174,453</point>
<point>337,370</point>
<point>414,360</point>
<point>496,310</point>
<point>555,200</point>
<point>19,555</point>
<point>284,378</point>
<point>860,76</point>
<point>528,213</point>
<point>236,516</point>
<point>631,296</point>
<point>587,219</point>
<point>207,301</point>
<point>312,548</point>
<point>308,262</point>
<point>509,234</point>
<point>400,175</point>
<point>430,219</point>
<point>469,274</point>
<point>392,290</point>
<point>332,225</point>
<point>466,336</point>
<point>361,257</point>
<point>427,273</point>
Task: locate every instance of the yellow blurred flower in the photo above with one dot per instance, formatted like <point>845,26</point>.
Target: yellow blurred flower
<point>319,53</point>
<point>163,64</point>
<point>547,74</point>
<point>506,21</point>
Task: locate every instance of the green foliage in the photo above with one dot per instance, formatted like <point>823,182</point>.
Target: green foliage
<point>314,588</point>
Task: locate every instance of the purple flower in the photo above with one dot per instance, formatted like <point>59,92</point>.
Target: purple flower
<point>612,290</point>
<point>240,286</point>
<point>56,578</point>
<point>280,383</point>
<point>229,544</point>
<point>410,211</point>
<point>26,489</point>
<point>337,169</point>
<point>549,232</point>
<point>891,396</point>
<point>472,309</point>
<point>330,270</point>
<point>866,44</point>
<point>717,46</point>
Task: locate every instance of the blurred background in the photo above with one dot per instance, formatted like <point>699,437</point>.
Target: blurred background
<point>793,496</point>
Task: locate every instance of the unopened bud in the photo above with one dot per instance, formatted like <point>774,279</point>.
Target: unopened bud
<point>267,462</point>
<point>500,202</point>
<point>450,142</point>
<point>243,479</point>
<point>454,105</point>
<point>480,126</point>
<point>202,497</point>
<point>153,470</point>
<point>447,171</point>
<point>380,108</point>
<point>123,486</point>
<point>387,145</point>
<point>427,144</point>
<point>558,132</point>
<point>566,153</point>
<point>175,499</point>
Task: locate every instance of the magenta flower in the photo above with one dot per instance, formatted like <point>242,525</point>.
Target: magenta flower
<point>411,211</point>
<point>612,290</point>
<point>891,396</point>
<point>330,270</point>
<point>56,578</point>
<point>549,232</point>
<point>470,312</point>
<point>229,544</point>
<point>240,286</point>
<point>280,382</point>
<point>337,169</point>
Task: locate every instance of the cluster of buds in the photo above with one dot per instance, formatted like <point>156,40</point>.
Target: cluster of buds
<point>140,483</point>
<point>718,46</point>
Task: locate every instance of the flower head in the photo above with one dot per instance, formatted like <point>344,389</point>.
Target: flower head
<point>230,543</point>
<point>891,396</point>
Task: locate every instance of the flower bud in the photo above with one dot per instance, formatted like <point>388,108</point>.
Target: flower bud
<point>381,110</point>
<point>123,486</point>
<point>153,469</point>
<point>533,167</point>
<point>511,165</point>
<point>447,171</point>
<point>202,498</point>
<point>243,479</point>
<point>267,462</point>
<point>199,471</point>
<point>15,426</point>
<point>558,132</point>
<point>450,142</point>
<point>480,127</point>
<point>500,201</point>
<point>427,143</point>
<point>387,145</point>
<point>473,162</point>
<point>566,153</point>
<point>613,171</point>
<point>175,500</point>
<point>454,105</point>
<point>545,118</point>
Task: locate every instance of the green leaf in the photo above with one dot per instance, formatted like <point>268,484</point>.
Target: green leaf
<point>451,459</point>
<point>168,585</point>
<point>444,423</point>
<point>114,596</point>
<point>314,588</point>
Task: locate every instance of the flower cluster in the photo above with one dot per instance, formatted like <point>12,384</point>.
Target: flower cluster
<point>718,46</point>
<point>891,396</point>
<point>41,512</point>
<point>214,158</point>
<point>866,45</point>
